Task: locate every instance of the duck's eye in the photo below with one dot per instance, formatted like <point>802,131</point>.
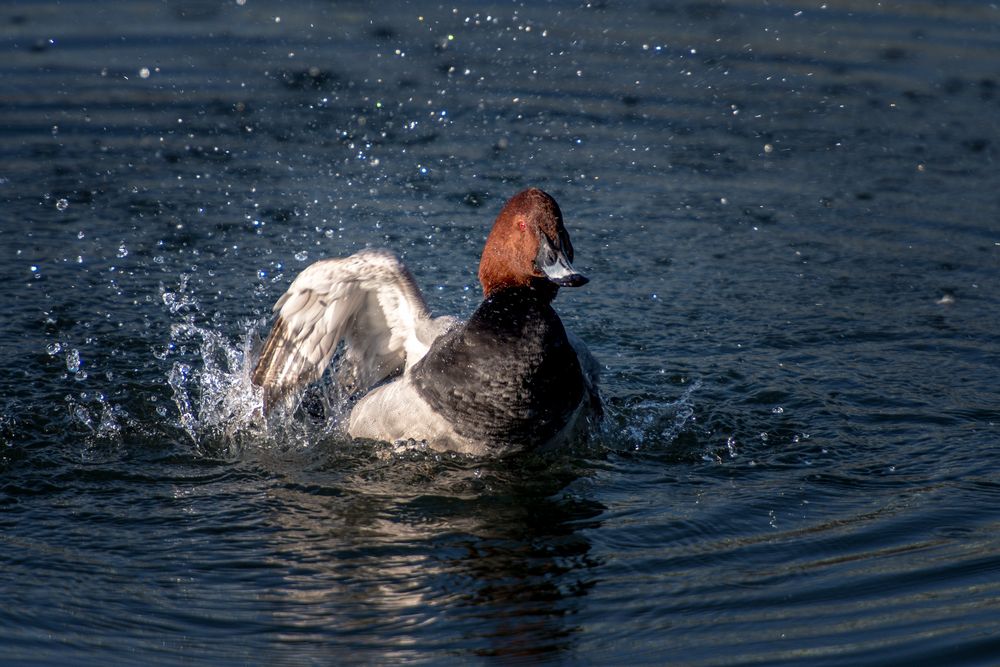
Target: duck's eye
<point>521,224</point>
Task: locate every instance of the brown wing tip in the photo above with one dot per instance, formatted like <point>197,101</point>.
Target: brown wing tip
<point>262,372</point>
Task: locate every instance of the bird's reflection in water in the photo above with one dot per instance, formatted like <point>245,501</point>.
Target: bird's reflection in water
<point>494,553</point>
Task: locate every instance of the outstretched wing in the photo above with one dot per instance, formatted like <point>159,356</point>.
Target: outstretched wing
<point>370,301</point>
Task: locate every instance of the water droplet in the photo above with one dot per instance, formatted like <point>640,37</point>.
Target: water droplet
<point>53,349</point>
<point>777,410</point>
<point>62,204</point>
<point>302,255</point>
<point>73,361</point>
<point>122,251</point>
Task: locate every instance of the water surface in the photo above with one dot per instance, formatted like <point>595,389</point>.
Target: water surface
<point>790,216</point>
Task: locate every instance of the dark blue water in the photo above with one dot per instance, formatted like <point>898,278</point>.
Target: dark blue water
<point>790,214</point>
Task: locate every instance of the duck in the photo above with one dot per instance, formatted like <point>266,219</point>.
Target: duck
<point>511,377</point>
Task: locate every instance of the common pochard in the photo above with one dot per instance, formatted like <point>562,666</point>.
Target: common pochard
<point>511,377</point>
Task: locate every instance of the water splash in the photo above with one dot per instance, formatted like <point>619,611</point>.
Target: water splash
<point>208,375</point>
<point>648,423</point>
<point>73,361</point>
<point>220,408</point>
<point>214,398</point>
<point>103,424</point>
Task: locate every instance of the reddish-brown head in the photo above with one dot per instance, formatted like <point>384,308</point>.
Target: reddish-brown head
<point>528,247</point>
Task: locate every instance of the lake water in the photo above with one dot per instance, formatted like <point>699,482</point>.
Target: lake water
<point>790,215</point>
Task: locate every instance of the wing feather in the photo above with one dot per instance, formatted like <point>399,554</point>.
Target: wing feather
<point>368,300</point>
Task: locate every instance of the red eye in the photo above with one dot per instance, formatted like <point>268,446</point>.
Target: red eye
<point>521,225</point>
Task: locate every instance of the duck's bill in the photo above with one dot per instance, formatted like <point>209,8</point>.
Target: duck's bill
<point>557,268</point>
<point>574,280</point>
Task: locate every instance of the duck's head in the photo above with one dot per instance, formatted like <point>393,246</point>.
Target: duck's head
<point>529,247</point>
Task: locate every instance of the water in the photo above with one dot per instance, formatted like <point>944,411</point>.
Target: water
<point>791,220</point>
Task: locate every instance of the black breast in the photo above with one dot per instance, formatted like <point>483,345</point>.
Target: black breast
<point>509,376</point>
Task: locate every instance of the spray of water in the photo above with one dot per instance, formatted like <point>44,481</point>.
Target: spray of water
<point>649,423</point>
<point>216,397</point>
